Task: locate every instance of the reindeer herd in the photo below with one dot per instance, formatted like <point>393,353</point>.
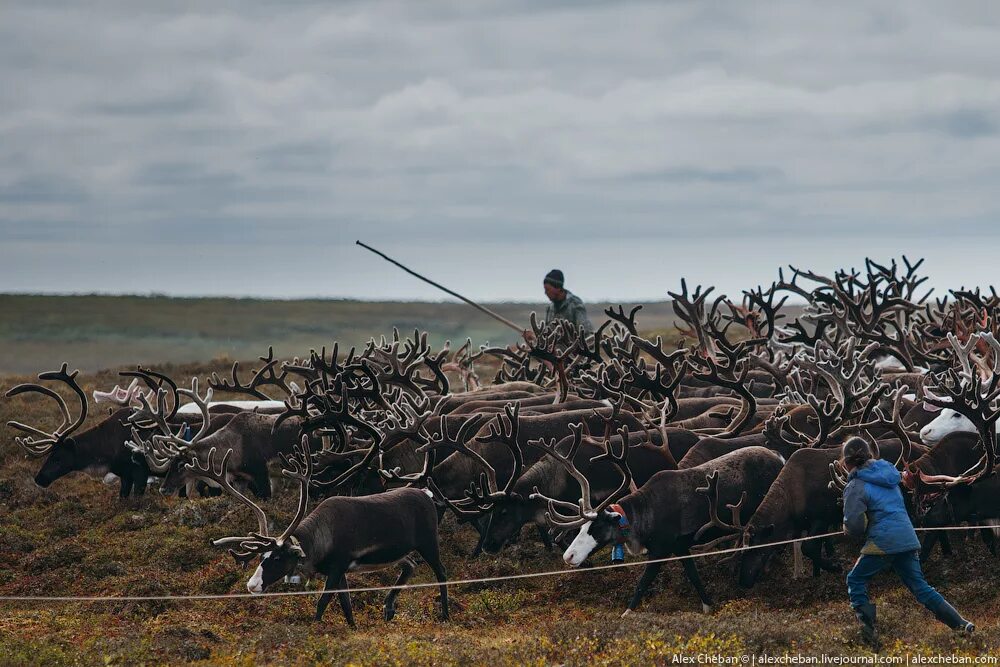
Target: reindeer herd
<point>607,439</point>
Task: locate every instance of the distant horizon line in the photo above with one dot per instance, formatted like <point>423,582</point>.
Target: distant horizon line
<point>244,297</point>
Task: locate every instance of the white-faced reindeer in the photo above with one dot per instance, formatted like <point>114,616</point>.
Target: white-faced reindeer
<point>342,535</point>
<point>667,516</point>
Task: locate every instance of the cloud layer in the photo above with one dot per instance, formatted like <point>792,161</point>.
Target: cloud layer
<point>242,147</point>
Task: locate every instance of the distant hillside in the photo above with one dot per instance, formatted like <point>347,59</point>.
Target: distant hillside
<point>96,332</point>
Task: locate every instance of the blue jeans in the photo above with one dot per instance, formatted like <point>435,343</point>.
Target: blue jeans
<point>906,565</point>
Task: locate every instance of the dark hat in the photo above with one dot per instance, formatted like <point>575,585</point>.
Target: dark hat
<point>554,278</point>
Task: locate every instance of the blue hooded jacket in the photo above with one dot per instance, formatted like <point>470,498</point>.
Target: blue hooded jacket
<point>874,509</point>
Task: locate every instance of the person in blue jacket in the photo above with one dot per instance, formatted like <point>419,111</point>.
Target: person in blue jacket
<point>874,510</point>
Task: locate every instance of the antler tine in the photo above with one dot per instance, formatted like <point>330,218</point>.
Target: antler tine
<point>838,477</point>
<point>894,423</point>
<point>765,306</point>
<point>406,420</point>
<point>415,349</point>
<point>69,379</point>
<point>693,313</point>
<point>584,510</point>
<point>553,515</point>
<point>33,447</point>
<point>710,372</point>
<point>791,286</point>
<point>627,321</point>
<point>436,363</point>
<point>157,461</point>
<point>42,445</point>
<point>508,426</point>
<point>298,467</point>
<point>144,416</point>
<point>617,403</point>
<point>458,444</point>
<point>735,529</point>
<point>118,395</point>
<point>994,344</point>
<point>556,518</point>
<point>398,371</point>
<point>378,441</point>
<point>265,376</point>
<point>456,507</point>
<point>202,404</point>
<point>173,443</point>
<point>619,461</point>
<point>156,381</point>
<point>504,429</point>
<point>963,352</point>
<point>221,477</point>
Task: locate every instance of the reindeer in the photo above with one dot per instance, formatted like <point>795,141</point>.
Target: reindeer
<point>665,516</point>
<point>454,473</point>
<point>251,439</point>
<point>340,536</point>
<point>508,512</point>
<point>100,449</point>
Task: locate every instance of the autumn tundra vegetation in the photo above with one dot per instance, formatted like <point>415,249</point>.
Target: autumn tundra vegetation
<point>398,462</point>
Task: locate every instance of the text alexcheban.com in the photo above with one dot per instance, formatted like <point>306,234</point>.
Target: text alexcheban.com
<point>753,659</point>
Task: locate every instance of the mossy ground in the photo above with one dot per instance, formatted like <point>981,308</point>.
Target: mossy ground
<point>77,538</point>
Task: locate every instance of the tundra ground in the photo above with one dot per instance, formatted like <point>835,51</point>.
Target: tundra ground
<point>77,538</point>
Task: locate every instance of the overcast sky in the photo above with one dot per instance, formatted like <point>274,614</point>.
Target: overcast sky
<point>241,148</point>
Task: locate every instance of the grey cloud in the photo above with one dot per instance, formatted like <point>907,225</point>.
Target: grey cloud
<point>41,189</point>
<point>966,123</point>
<point>305,125</point>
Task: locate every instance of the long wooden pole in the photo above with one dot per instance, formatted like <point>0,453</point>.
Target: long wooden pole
<point>482,309</point>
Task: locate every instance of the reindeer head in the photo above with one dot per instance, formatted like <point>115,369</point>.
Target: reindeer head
<point>279,555</point>
<point>598,525</point>
<point>59,444</point>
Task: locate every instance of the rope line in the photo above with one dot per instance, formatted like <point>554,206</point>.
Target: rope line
<point>434,584</point>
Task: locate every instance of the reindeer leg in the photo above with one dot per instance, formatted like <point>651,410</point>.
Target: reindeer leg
<point>989,539</point>
<point>430,554</point>
<point>406,568</point>
<point>344,597</point>
<point>648,576</point>
<point>829,548</point>
<point>140,478</point>
<point>691,570</point>
<point>813,549</point>
<point>945,542</point>
<point>332,582</point>
<point>126,485</point>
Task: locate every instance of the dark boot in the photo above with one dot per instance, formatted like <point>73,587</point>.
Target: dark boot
<point>866,616</point>
<point>950,617</point>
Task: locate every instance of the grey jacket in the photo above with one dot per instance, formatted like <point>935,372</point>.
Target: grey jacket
<point>570,309</point>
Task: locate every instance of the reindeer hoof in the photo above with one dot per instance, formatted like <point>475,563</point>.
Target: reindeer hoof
<point>389,613</point>
<point>626,613</point>
<point>706,608</point>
